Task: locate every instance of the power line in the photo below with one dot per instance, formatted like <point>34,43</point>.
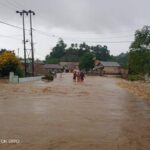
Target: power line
<point>91,33</point>
<point>56,36</point>
<point>2,22</point>
<point>8,6</point>
<point>51,35</point>
<point>18,3</point>
<point>11,25</point>
<point>112,42</point>
<point>7,36</point>
<point>10,3</point>
<point>73,38</point>
<point>43,33</point>
<point>98,38</point>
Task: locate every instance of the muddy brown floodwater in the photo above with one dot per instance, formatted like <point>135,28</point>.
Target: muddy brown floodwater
<point>63,115</point>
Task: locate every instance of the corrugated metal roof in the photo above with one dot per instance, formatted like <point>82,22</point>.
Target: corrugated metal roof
<point>110,64</point>
<point>98,67</point>
<point>69,63</point>
<point>27,61</point>
<point>52,66</point>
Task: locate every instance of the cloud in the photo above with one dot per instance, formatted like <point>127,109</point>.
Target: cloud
<point>84,15</point>
<point>80,17</point>
<point>91,15</point>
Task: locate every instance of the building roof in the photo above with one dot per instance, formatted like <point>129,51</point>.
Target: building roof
<point>98,67</point>
<point>52,66</point>
<point>110,64</point>
<point>69,63</point>
<point>28,61</point>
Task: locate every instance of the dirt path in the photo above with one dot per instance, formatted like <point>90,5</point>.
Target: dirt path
<point>62,115</point>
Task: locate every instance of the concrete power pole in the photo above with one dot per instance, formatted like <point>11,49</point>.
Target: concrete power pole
<point>23,13</point>
<point>18,52</point>
<point>32,44</point>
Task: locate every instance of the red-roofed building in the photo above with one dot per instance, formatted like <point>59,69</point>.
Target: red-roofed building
<point>107,67</point>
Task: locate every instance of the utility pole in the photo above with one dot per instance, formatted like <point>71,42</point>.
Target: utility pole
<point>31,33</point>
<point>22,13</point>
<point>18,52</point>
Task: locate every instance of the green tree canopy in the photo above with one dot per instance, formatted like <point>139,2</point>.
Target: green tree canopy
<point>101,52</point>
<point>86,62</point>
<point>74,53</point>
<point>59,50</point>
<point>142,38</point>
<point>139,55</point>
<point>9,63</point>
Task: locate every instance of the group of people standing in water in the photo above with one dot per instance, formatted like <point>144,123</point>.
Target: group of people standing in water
<point>78,76</point>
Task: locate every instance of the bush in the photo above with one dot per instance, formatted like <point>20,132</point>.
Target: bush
<point>19,72</point>
<point>8,63</point>
<point>135,77</point>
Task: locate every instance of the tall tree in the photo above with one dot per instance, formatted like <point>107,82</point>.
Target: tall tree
<point>101,52</point>
<point>87,62</point>
<point>57,53</point>
<point>142,38</point>
<point>139,55</point>
<point>59,50</point>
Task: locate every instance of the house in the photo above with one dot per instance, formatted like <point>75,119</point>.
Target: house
<point>38,67</point>
<point>107,67</point>
<point>53,68</point>
<point>69,66</point>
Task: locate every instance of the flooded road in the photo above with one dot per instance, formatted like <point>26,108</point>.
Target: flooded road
<point>63,115</point>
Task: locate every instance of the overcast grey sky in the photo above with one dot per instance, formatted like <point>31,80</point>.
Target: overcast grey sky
<point>102,22</point>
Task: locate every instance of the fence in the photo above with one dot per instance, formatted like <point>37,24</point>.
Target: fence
<point>15,79</point>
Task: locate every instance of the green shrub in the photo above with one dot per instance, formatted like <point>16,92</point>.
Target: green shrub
<point>19,72</point>
<point>135,77</point>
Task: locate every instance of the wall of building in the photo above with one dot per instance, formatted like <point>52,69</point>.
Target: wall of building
<point>27,79</point>
<point>39,69</point>
<point>111,70</point>
<point>15,79</point>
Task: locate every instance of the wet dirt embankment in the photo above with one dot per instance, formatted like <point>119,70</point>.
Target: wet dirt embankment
<point>138,88</point>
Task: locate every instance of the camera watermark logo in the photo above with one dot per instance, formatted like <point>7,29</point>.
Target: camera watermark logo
<point>9,141</point>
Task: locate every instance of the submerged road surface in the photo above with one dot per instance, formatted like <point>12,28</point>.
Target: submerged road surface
<point>63,115</point>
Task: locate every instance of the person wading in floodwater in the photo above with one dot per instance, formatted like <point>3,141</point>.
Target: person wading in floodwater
<point>78,76</point>
<point>82,76</point>
<point>74,76</point>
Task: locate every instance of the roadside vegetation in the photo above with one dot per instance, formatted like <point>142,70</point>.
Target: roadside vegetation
<point>139,55</point>
<point>9,63</point>
<point>139,64</point>
<point>138,88</point>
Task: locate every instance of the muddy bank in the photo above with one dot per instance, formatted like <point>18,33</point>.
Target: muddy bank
<point>138,88</point>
